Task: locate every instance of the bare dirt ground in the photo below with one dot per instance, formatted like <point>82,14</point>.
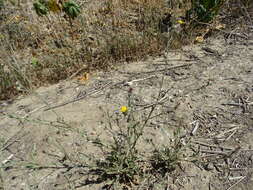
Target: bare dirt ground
<point>208,95</point>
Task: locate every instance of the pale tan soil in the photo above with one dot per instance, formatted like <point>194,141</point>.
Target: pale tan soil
<point>201,90</point>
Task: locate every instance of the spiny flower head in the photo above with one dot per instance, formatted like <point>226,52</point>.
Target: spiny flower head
<point>123,109</point>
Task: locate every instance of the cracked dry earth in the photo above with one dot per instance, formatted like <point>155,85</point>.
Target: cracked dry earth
<point>209,97</point>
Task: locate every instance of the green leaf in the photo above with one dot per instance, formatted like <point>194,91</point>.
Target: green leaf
<point>34,62</point>
<point>206,10</point>
<point>71,9</point>
<point>1,4</point>
<point>40,7</point>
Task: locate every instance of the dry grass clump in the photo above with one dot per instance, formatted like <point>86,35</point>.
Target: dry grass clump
<point>50,48</point>
<point>238,12</point>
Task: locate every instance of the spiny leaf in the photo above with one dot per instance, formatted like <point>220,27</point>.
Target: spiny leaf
<point>71,9</point>
<point>40,7</point>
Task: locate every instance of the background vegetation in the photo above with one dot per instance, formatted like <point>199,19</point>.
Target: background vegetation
<point>45,41</point>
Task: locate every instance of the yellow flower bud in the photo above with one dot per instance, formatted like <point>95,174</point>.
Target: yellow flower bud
<point>180,22</point>
<point>123,109</point>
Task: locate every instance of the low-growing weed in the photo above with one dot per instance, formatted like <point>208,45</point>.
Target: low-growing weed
<point>165,159</point>
<point>124,163</point>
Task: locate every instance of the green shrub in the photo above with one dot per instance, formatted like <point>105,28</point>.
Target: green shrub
<point>205,10</point>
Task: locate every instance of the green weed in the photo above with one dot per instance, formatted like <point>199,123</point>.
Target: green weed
<point>1,4</point>
<point>124,164</point>
<point>205,10</point>
<point>165,160</point>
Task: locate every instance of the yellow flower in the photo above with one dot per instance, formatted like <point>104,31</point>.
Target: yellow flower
<point>180,22</point>
<point>123,109</point>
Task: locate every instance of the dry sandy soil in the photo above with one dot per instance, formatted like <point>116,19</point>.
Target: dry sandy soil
<point>207,93</point>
